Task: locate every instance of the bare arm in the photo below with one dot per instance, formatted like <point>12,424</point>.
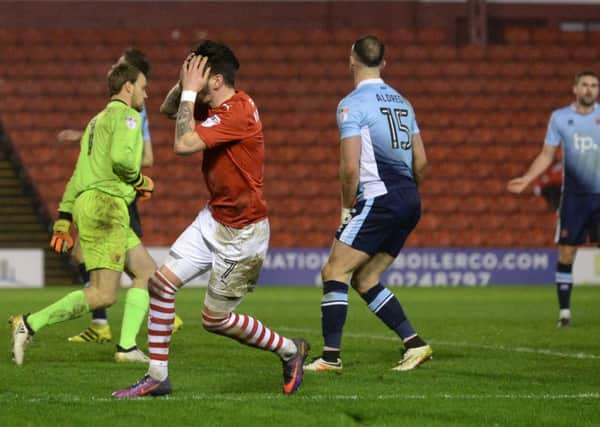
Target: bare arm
<point>170,104</point>
<point>538,166</point>
<point>147,155</point>
<point>187,141</point>
<point>419,158</point>
<point>349,169</point>
<point>69,135</point>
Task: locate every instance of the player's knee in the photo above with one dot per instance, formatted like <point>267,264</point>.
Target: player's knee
<point>566,254</point>
<point>160,285</point>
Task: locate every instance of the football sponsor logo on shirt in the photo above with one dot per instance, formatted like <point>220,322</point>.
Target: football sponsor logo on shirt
<point>131,122</point>
<point>211,121</point>
<point>584,143</point>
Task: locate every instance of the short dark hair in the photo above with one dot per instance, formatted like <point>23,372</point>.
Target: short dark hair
<point>220,58</point>
<point>138,59</point>
<point>369,50</point>
<point>120,74</point>
<point>586,73</point>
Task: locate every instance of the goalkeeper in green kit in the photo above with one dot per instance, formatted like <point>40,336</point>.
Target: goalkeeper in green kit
<point>105,181</point>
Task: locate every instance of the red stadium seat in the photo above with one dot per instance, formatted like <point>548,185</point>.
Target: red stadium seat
<point>517,35</point>
<point>545,36</point>
<point>433,36</point>
<point>571,38</point>
<point>474,107</point>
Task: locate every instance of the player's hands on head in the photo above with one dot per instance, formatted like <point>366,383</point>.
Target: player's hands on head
<point>186,63</point>
<point>61,241</point>
<point>195,73</point>
<point>517,185</point>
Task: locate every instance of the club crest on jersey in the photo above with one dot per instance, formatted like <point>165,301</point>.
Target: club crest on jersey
<point>343,113</point>
<point>131,122</point>
<point>211,121</point>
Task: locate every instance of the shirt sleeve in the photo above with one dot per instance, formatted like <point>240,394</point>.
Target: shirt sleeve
<point>69,196</point>
<point>414,127</point>
<point>145,125</point>
<point>552,134</point>
<point>126,146</point>
<point>225,126</point>
<point>348,119</point>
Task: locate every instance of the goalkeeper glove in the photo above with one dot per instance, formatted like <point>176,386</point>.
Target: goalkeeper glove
<point>62,241</point>
<point>144,187</point>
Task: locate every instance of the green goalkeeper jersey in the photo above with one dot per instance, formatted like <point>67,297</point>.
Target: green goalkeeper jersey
<point>110,155</point>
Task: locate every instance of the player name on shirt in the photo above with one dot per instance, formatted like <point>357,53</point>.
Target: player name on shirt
<point>389,97</point>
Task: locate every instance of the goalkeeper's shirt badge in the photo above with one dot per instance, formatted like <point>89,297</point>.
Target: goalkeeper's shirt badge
<point>131,122</point>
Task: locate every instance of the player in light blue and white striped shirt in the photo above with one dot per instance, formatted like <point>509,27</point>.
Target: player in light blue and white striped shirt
<point>382,161</point>
<point>577,128</point>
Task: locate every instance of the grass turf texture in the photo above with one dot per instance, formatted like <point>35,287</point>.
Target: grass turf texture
<point>498,360</point>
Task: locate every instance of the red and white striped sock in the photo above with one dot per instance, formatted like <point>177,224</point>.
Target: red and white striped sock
<point>160,323</point>
<point>250,331</point>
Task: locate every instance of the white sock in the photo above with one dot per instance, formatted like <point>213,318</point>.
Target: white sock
<point>288,349</point>
<point>158,370</point>
<point>100,322</point>
<point>564,313</point>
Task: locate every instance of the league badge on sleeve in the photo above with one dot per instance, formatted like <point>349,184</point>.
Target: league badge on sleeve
<point>343,113</point>
<point>131,122</point>
<point>211,121</point>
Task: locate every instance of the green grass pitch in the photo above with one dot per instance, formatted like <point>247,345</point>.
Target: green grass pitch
<point>499,360</point>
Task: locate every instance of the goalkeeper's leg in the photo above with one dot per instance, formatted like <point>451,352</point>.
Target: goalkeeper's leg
<point>101,293</point>
<point>98,331</point>
<point>139,265</point>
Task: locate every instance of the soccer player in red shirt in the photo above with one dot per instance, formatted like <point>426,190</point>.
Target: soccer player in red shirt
<point>230,236</point>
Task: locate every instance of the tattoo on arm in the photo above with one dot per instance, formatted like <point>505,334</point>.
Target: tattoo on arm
<point>184,118</point>
<point>171,101</point>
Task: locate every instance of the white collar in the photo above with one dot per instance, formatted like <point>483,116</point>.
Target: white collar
<point>369,82</point>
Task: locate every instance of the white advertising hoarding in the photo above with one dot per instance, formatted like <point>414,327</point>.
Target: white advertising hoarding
<point>586,270</point>
<point>21,268</point>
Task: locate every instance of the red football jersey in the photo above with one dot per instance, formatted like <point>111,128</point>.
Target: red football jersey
<point>233,164</point>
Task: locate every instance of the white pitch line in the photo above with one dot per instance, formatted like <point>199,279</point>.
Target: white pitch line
<point>65,398</point>
<point>542,351</point>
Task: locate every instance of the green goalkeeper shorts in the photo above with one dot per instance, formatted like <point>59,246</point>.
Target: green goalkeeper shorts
<point>105,236</point>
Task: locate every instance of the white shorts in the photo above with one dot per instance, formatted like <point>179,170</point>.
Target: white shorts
<point>233,255</point>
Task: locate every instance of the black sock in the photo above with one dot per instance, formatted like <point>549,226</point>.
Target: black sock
<point>85,275</point>
<point>331,355</point>
<point>383,303</point>
<point>413,342</point>
<point>334,307</point>
<point>564,284</point>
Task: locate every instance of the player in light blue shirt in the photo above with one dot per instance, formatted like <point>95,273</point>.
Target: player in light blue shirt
<point>382,161</point>
<point>385,122</point>
<point>577,128</point>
